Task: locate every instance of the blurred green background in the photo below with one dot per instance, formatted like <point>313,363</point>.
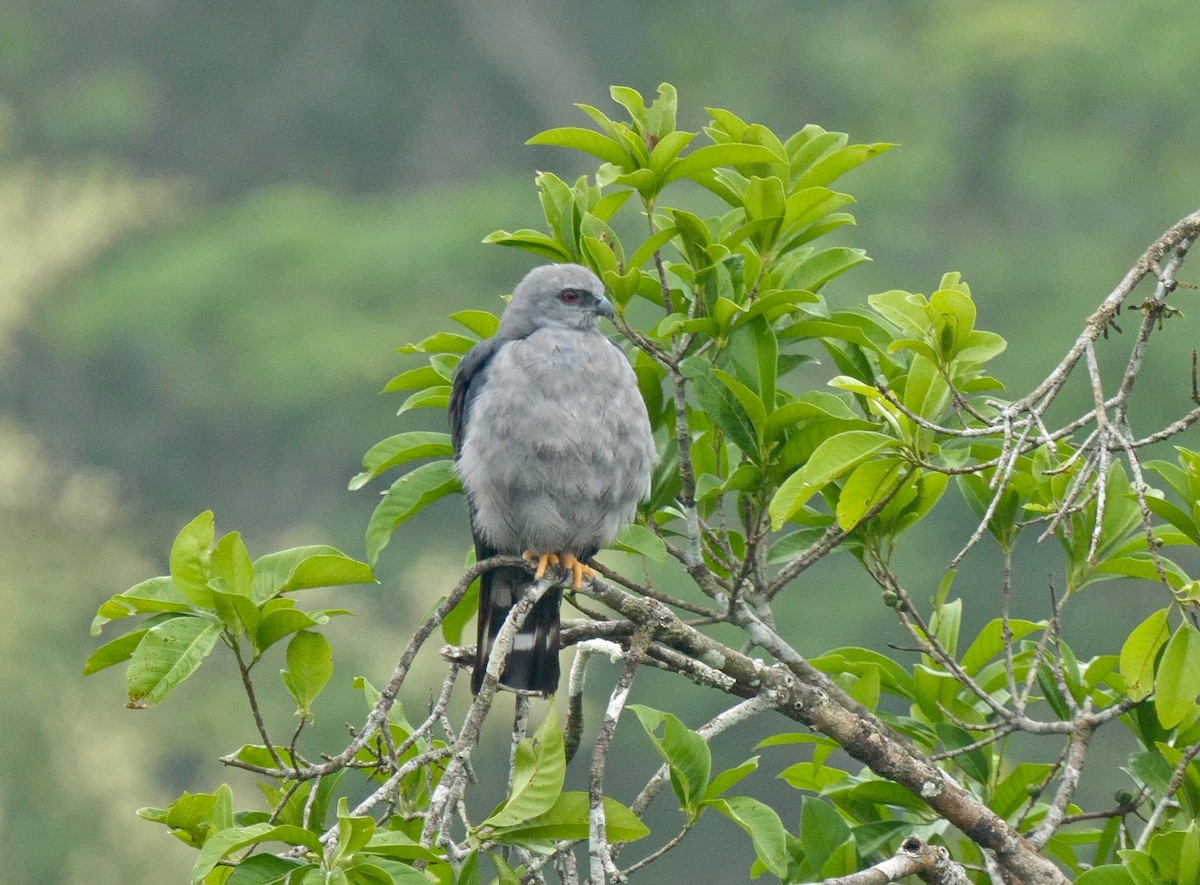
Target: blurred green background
<point>218,220</point>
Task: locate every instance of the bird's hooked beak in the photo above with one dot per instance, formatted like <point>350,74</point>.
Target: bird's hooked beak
<point>604,308</point>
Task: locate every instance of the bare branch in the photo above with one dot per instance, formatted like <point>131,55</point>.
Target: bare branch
<point>930,863</point>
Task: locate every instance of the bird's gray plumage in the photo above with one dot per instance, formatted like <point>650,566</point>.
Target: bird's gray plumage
<point>554,449</point>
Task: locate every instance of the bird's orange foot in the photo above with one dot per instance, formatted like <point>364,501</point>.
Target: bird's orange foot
<point>542,559</point>
<point>578,570</point>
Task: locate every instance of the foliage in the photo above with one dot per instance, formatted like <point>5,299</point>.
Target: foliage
<point>760,477</point>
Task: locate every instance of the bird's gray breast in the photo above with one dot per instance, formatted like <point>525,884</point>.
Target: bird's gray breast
<point>557,448</point>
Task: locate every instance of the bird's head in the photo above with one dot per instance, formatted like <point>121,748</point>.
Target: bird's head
<point>565,296</point>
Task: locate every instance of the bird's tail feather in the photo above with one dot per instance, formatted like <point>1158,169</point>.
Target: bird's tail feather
<point>532,663</point>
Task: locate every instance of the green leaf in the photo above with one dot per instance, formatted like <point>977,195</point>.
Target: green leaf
<point>168,654</point>
<point>480,322</point>
<point>975,763</point>
<point>1140,650</point>
<point>230,565</point>
<point>568,819</point>
<point>893,678</point>
<point>281,618</point>
<point>721,405</point>
<point>539,770</point>
<point>153,595</point>
<point>309,668</point>
<point>303,568</point>
<point>728,778</point>
<point>265,869</point>
<point>587,140</point>
<point>193,817</point>
<point>763,826</point>
<point>531,241</point>
<point>753,355</point>
<point>822,830</point>
<point>868,484</point>
<point>1177,681</point>
<point>189,560</point>
<point>638,539</point>
<point>685,751</point>
<point>1012,792</point>
<point>652,244</point>
<point>394,843</point>
<point>429,398</point>
<point>410,494</point>
<point>824,266</point>
<point>833,457</point>
<point>709,157</point>
<point>400,449</point>
<point>353,832</point>
<point>224,843</point>
<point>839,162</point>
<point>114,652</point>
<point>415,379</point>
<point>1109,874</point>
<point>812,776</point>
<point>990,641</point>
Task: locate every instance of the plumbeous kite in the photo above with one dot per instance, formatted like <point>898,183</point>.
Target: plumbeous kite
<point>553,446</point>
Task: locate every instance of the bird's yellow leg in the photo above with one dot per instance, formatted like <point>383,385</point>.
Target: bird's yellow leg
<point>542,559</point>
<point>578,570</point>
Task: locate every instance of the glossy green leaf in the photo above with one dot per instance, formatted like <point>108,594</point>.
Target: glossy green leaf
<point>728,778</point>
<point>168,654</point>
<point>1177,680</point>
<point>224,843</point>
<point>153,595</point>
<point>763,826</point>
<point>567,818</point>
<point>587,140</point>
<point>266,869</point>
<point>721,405</point>
<point>824,266</point>
<point>539,770</point>
<point>868,484</point>
<point>230,566</point>
<point>531,241</point>
<point>1139,652</point>
<point>1109,874</point>
<point>280,618</point>
<point>822,830</point>
<point>709,157</point>
<point>636,538</point>
<point>400,449</point>
<point>839,162</point>
<point>114,652</point>
<point>309,668</point>
<point>303,568</point>
<point>437,397</point>
<point>440,342</point>
<point>193,817</point>
<point>685,751</point>
<point>990,641</point>
<point>480,322</point>
<point>835,456</point>
<point>409,495</point>
<point>811,776</point>
<point>415,379</point>
<point>189,560</point>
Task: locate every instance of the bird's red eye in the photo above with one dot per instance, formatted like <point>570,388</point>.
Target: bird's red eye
<point>569,296</point>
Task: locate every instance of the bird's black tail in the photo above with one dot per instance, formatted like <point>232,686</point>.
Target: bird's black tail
<point>532,663</point>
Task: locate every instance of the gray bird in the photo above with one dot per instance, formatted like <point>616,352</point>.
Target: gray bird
<point>553,446</point>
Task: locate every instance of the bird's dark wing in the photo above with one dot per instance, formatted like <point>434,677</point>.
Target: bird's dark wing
<point>469,378</point>
<point>533,661</point>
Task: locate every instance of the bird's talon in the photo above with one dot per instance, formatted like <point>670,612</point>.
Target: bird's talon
<point>543,560</point>
<point>578,570</point>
